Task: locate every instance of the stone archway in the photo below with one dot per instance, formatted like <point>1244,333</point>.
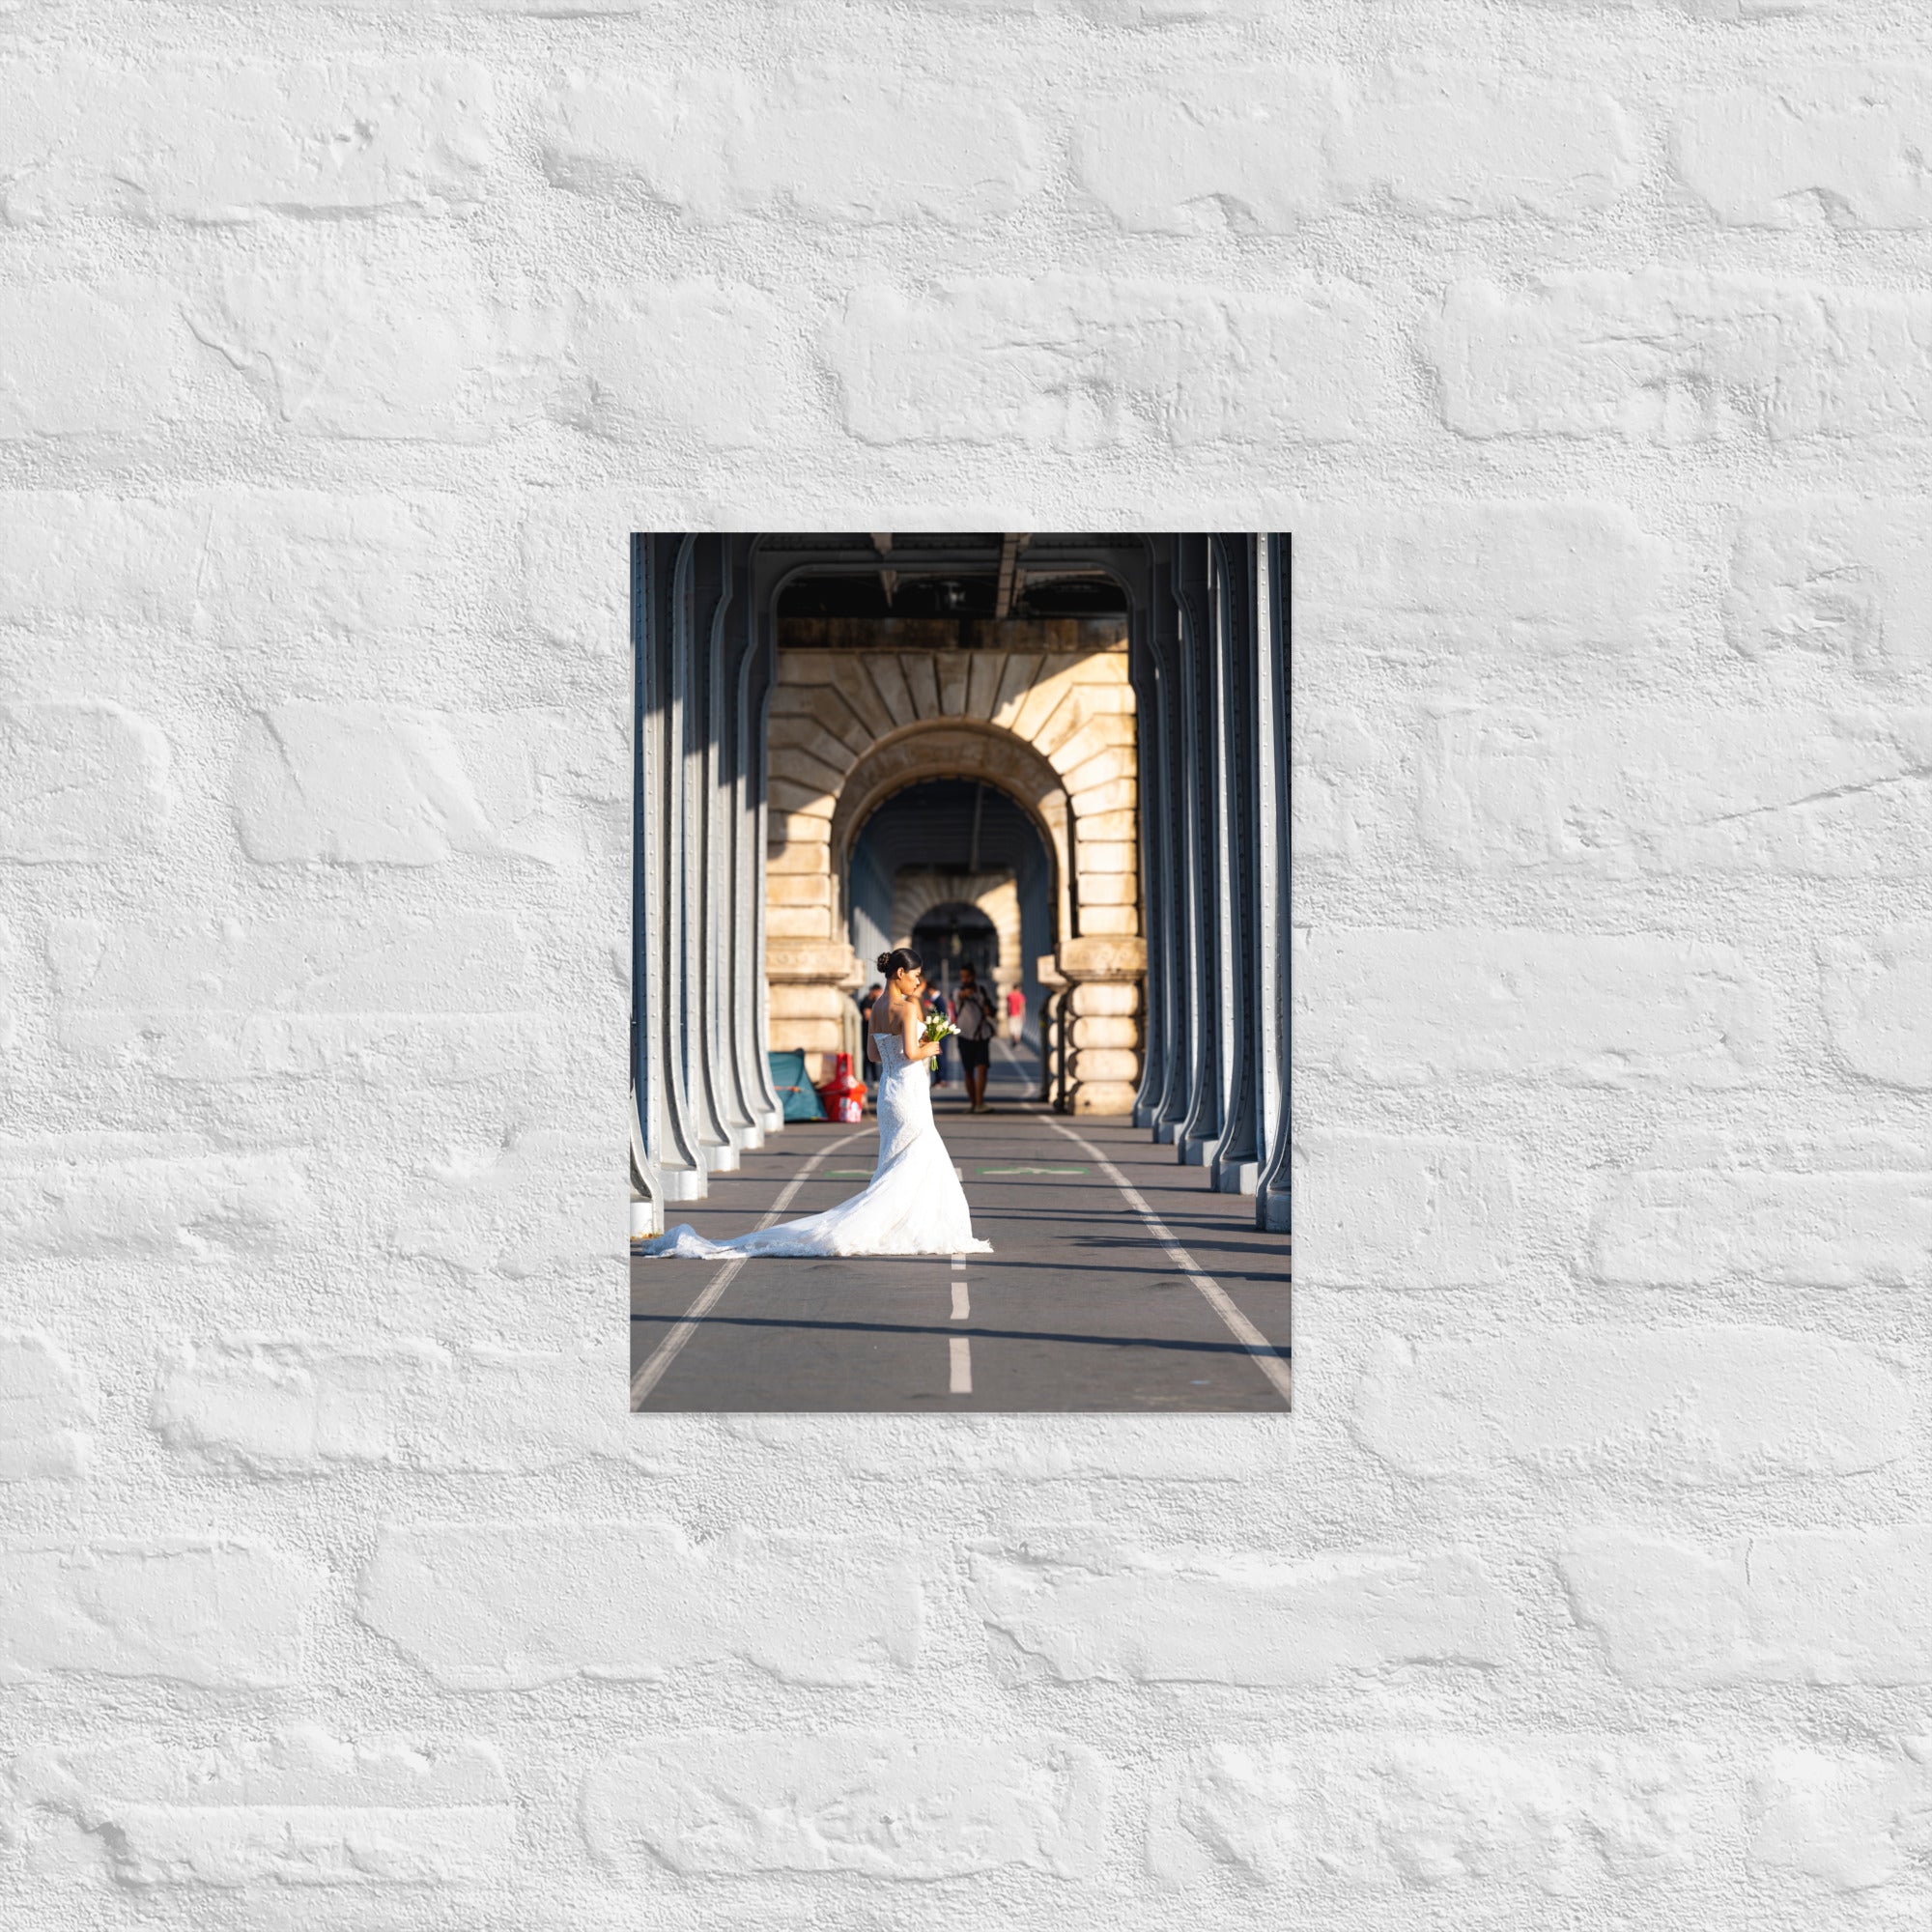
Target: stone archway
<point>917,888</point>
<point>950,751</point>
<point>1052,728</point>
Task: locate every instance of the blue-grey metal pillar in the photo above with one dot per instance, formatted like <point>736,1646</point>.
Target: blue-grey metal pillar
<point>741,745</point>
<point>720,1133</point>
<point>715,898</point>
<point>758,675</point>
<point>1237,664</point>
<point>728,942</point>
<point>669,1165</point>
<point>1200,1131</point>
<point>1183,1002</point>
<point>693,994</point>
<point>1151,665</point>
<point>1274,1069</point>
<point>646,1182</point>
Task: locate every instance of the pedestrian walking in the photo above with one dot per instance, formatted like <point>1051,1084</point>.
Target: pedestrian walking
<point>1015,1014</point>
<point>972,1015</point>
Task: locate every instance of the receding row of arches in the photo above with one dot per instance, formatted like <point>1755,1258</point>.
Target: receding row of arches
<point>1016,749</point>
<point>958,869</point>
<point>1061,757</point>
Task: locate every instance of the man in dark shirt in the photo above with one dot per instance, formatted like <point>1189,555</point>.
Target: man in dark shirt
<point>972,1015</point>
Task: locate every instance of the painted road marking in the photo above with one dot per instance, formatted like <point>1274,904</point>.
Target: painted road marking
<point>1032,1170</point>
<point>959,1260</point>
<point>850,1173</point>
<point>961,1350</point>
<point>960,1307</point>
<point>1215,1295</point>
<point>652,1373</point>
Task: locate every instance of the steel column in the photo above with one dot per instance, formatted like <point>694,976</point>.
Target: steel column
<point>1152,643</point>
<point>712,654</point>
<point>1237,1161</point>
<point>1274,1070</point>
<point>760,667</point>
<point>743,743</point>
<point>1200,1132</point>
<point>1171,642</point>
<point>693,995</point>
<point>671,1165</point>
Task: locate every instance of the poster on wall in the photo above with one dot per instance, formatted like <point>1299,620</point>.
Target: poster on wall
<point>959,1049</point>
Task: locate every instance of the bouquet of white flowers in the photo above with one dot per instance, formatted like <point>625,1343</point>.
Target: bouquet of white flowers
<point>937,1027</point>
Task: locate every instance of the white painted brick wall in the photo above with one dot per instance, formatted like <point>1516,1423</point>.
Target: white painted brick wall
<point>1588,350</point>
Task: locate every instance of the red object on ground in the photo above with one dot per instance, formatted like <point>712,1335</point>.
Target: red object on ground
<point>845,1097</point>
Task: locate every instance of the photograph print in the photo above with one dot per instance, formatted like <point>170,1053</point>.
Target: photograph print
<point>959,1049</point>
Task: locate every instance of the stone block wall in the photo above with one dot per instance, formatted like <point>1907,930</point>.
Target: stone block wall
<point>1043,709</point>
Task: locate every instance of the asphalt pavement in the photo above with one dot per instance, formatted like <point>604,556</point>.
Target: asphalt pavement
<point>1133,1289</point>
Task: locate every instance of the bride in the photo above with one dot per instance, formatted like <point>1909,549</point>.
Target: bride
<point>913,1203</point>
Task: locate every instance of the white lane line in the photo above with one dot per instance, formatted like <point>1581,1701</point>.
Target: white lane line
<point>961,1350</point>
<point>958,1261</point>
<point>961,1307</point>
<point>1215,1295</point>
<point>652,1373</point>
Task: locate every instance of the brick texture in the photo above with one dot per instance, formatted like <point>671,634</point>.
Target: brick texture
<point>1586,1818</point>
<point>299,1808</point>
<point>1585,347</point>
<point>886,1807</point>
<point>1084,1608</point>
<point>503,1605</point>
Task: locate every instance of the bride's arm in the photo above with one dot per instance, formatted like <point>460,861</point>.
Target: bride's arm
<point>915,1047</point>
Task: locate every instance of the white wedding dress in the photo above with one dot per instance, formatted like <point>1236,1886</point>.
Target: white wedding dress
<point>913,1205</point>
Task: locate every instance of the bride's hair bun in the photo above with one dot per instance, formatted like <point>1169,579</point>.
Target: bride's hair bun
<point>900,960</point>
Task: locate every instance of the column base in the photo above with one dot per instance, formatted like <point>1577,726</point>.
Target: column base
<point>719,1156</point>
<point>682,1183</point>
<point>1197,1153</point>
<point>1164,1131</point>
<point>1237,1176</point>
<point>1272,1210</point>
<point>645,1220</point>
<point>1111,1097</point>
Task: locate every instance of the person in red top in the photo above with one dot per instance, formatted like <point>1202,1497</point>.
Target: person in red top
<point>1015,1014</point>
